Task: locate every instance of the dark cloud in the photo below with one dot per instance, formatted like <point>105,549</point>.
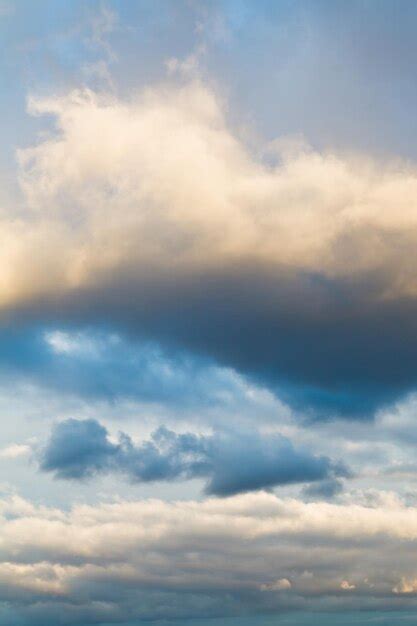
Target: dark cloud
<point>230,462</point>
<point>325,346</point>
<point>77,449</point>
<point>333,347</point>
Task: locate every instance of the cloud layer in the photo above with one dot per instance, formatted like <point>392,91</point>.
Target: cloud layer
<point>133,561</point>
<point>231,462</point>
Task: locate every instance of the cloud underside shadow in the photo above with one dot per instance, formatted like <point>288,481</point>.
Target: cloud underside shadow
<point>328,347</point>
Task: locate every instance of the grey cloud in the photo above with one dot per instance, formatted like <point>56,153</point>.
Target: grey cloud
<point>323,344</point>
<point>230,462</point>
<point>324,490</point>
<point>78,449</point>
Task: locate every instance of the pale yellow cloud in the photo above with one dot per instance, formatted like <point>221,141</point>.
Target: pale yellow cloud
<point>282,584</point>
<point>14,450</point>
<point>161,181</point>
<point>406,586</point>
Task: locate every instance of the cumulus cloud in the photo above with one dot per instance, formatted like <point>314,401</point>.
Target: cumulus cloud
<point>166,165</point>
<point>131,561</point>
<point>151,214</point>
<point>79,449</point>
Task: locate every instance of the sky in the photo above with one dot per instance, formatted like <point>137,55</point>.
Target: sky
<point>208,313</point>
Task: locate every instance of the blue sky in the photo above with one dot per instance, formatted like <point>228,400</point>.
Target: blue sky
<point>208,307</point>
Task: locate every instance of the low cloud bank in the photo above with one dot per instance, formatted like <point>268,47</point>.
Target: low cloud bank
<point>129,562</point>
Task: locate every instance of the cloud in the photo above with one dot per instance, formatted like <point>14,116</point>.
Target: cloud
<point>130,561</point>
<point>153,216</point>
<point>406,586</point>
<point>324,490</point>
<point>278,585</point>
<point>79,449</point>
<point>346,586</point>
<point>14,450</point>
<point>97,364</point>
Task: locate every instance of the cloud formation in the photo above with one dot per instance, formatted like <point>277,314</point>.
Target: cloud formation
<point>132,561</point>
<point>151,214</point>
<point>79,449</point>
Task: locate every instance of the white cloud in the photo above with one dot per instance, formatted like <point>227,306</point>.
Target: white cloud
<point>14,450</point>
<point>161,181</point>
<point>231,548</point>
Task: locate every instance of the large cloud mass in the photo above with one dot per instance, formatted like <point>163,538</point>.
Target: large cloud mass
<point>153,215</point>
